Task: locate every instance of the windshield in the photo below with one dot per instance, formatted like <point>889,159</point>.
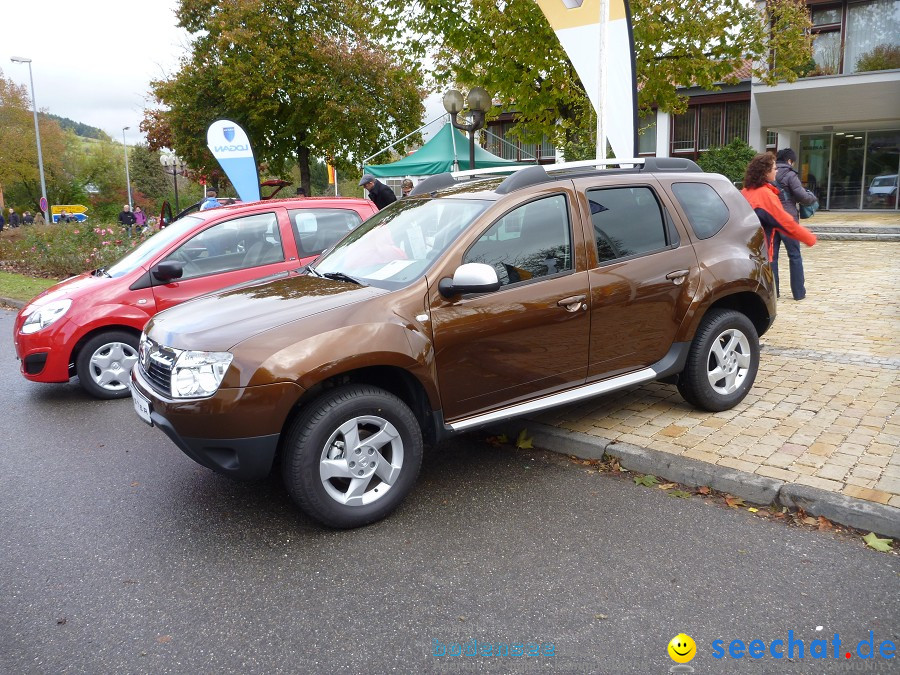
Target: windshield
<point>153,246</point>
<point>397,245</point>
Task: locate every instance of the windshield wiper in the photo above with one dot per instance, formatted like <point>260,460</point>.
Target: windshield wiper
<point>340,276</point>
<point>101,270</point>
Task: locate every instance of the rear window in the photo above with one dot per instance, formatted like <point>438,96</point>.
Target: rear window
<point>318,229</point>
<point>627,221</point>
<point>703,206</point>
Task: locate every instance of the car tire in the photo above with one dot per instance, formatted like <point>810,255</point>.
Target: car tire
<point>104,364</point>
<point>722,363</point>
<point>336,472</point>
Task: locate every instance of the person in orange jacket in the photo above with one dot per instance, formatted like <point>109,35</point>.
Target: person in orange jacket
<point>759,189</point>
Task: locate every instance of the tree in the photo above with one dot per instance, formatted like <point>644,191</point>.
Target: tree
<point>729,160</point>
<point>509,48</point>
<point>303,79</point>
<point>147,174</point>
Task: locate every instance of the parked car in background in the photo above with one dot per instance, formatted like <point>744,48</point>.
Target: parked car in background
<point>166,218</point>
<point>882,192</point>
<point>467,303</point>
<point>89,325</point>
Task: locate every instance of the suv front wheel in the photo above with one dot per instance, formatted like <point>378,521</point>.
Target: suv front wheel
<point>352,456</point>
<point>722,362</point>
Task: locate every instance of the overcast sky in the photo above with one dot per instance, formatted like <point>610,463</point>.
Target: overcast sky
<point>93,61</point>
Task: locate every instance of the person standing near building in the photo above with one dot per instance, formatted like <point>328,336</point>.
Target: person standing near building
<point>792,192</point>
<point>126,218</point>
<point>379,193</point>
<point>762,194</point>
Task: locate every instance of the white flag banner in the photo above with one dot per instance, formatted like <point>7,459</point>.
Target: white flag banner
<point>577,24</point>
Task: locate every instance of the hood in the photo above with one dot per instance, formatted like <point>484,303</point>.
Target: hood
<point>73,287</point>
<point>219,321</point>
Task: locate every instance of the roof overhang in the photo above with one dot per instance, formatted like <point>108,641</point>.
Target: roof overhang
<point>862,101</point>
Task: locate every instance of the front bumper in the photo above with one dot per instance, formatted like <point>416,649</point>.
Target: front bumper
<point>44,355</point>
<point>234,432</point>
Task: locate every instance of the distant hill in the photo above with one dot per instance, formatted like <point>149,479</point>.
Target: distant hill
<point>84,130</point>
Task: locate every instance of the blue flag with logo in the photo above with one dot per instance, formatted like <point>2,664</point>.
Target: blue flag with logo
<point>231,147</point>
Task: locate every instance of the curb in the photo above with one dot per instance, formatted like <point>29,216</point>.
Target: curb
<point>12,303</point>
<point>851,512</point>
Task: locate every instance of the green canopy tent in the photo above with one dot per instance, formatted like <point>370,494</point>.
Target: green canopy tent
<point>438,155</point>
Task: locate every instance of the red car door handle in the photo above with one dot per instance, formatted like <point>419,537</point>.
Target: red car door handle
<point>573,303</point>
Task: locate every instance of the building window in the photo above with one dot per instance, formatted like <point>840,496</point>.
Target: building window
<point>771,140</point>
<point>683,132</point>
<point>737,121</point>
<point>870,25</point>
<point>499,142</point>
<point>711,118</point>
<point>647,134</point>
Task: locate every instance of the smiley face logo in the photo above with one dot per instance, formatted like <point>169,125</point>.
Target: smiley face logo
<point>682,648</point>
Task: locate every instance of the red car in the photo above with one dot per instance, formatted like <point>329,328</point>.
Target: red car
<point>89,325</point>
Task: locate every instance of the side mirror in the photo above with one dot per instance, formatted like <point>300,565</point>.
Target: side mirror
<point>470,278</point>
<point>167,270</point>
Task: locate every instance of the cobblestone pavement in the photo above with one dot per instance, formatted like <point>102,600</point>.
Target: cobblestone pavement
<point>824,408</point>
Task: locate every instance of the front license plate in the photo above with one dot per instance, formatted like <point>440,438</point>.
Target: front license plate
<point>141,406</point>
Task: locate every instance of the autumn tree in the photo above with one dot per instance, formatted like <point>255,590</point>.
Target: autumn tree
<point>304,80</point>
<point>508,47</point>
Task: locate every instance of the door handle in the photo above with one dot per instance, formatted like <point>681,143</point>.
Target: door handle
<point>678,276</point>
<point>573,303</point>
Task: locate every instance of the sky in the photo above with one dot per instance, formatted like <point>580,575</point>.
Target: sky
<point>93,61</point>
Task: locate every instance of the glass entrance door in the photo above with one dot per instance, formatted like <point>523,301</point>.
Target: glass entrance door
<point>814,165</point>
<point>882,170</point>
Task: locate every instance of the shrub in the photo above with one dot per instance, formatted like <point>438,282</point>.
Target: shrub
<point>882,57</point>
<point>57,251</point>
<point>729,160</point>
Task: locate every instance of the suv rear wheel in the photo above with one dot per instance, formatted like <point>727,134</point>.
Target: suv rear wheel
<point>352,456</point>
<point>722,362</point>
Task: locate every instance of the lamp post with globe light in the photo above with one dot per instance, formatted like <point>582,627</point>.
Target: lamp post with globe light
<point>176,164</point>
<point>478,102</point>
<point>37,134</point>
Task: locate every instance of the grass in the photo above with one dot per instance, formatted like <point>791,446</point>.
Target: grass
<point>22,287</point>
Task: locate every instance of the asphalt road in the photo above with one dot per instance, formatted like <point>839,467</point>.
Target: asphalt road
<point>119,554</point>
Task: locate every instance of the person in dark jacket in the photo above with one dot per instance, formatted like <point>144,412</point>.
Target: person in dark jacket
<point>792,193</point>
<point>379,193</point>
<point>2,221</point>
<point>126,218</point>
<point>13,218</point>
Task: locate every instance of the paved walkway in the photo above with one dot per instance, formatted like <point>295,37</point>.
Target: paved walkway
<point>824,409</point>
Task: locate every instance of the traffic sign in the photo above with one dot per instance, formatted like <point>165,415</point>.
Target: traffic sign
<point>43,204</point>
<point>68,208</point>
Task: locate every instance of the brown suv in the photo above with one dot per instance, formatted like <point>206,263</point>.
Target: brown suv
<point>471,302</point>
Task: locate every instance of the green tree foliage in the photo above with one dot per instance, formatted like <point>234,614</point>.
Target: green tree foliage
<point>303,79</point>
<point>148,176</point>
<point>882,57</point>
<point>80,129</point>
<point>729,160</point>
<point>509,48</point>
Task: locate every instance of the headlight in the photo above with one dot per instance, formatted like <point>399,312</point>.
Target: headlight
<point>43,316</point>
<point>199,373</point>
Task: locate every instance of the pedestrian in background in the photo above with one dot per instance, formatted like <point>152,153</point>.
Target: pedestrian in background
<point>792,192</point>
<point>13,218</point>
<point>763,195</point>
<point>39,218</point>
<point>126,218</point>
<point>27,218</point>
<point>211,200</point>
<point>140,219</point>
<point>379,193</point>
<point>63,217</point>
<point>301,192</point>
<point>405,188</point>
<point>2,220</point>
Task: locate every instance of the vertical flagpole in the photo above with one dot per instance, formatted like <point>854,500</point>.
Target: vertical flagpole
<point>601,81</point>
<point>335,181</point>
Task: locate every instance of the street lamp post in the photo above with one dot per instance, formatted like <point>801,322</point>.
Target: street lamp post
<point>177,166</point>
<point>37,134</point>
<point>127,175</point>
<point>479,101</point>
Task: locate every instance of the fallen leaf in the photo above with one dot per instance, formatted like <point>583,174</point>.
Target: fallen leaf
<point>523,442</point>
<point>135,484</point>
<point>163,639</point>
<point>872,541</point>
<point>461,618</point>
<point>667,486</point>
<point>734,502</point>
<point>496,441</point>
<point>703,490</point>
<point>825,524</point>
<point>647,481</point>
<point>600,616</point>
<point>751,509</point>
<point>809,520</point>
<point>680,494</point>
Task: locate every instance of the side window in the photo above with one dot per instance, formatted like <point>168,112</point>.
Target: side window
<point>232,245</point>
<point>704,207</point>
<point>627,221</point>
<point>532,241</point>
<point>318,229</point>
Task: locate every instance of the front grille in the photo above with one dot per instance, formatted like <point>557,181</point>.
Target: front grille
<point>157,362</point>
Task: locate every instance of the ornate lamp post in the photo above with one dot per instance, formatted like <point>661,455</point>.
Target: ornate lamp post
<point>176,164</point>
<point>37,134</point>
<point>479,102</point>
